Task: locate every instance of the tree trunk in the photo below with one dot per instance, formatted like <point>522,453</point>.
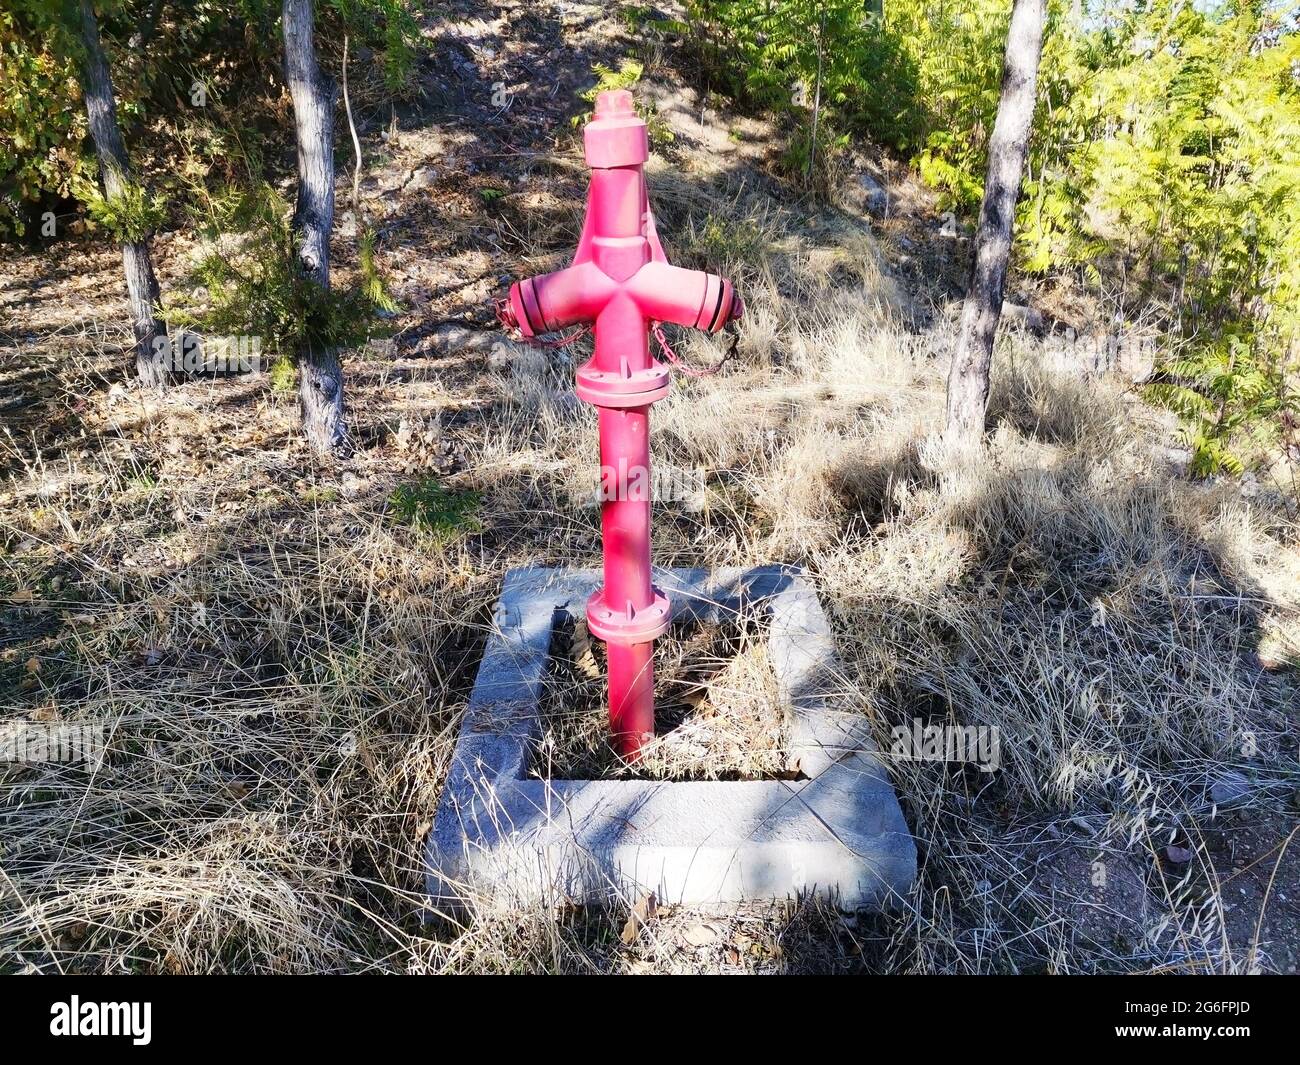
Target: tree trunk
<point>968,379</point>
<point>320,375</point>
<point>115,169</point>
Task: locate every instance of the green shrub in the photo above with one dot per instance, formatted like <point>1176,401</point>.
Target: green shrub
<point>130,216</point>
<point>431,508</point>
<point>373,286</point>
<point>626,76</point>
<point>283,375</point>
<point>255,286</point>
<point>42,124</point>
<point>388,26</point>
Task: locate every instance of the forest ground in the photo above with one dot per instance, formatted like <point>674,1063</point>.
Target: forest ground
<point>281,660</point>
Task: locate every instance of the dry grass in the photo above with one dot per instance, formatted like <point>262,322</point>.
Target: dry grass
<point>718,712</point>
<point>280,664</point>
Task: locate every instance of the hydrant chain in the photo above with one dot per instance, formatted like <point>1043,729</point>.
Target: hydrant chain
<point>680,363</point>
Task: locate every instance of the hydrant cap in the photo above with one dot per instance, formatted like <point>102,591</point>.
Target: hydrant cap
<point>613,103</point>
<point>617,135</point>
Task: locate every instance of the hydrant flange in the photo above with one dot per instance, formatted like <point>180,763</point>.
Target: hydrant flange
<point>636,388</point>
<point>628,625</point>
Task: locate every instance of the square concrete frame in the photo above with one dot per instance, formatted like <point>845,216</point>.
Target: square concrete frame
<point>839,833</point>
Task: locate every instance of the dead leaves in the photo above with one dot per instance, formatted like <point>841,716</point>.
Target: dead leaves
<point>425,447</point>
<point>667,939</point>
<point>645,909</point>
<point>702,935</point>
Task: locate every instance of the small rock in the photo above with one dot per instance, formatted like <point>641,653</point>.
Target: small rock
<point>1082,823</point>
<point>1229,789</point>
<point>1179,458</point>
<point>1178,855</point>
<point>1028,317</point>
<point>871,196</point>
<point>422,178</point>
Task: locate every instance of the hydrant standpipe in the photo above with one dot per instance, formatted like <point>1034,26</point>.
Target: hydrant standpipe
<point>620,282</point>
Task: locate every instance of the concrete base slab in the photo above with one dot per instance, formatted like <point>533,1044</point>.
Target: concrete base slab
<point>838,832</point>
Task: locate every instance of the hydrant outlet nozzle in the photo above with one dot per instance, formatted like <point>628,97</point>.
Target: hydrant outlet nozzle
<point>506,316</point>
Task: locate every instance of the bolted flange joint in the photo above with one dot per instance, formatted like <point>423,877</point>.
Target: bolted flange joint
<point>630,388</point>
<point>625,624</point>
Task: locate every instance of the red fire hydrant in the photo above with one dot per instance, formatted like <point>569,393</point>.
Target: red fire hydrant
<point>621,282</point>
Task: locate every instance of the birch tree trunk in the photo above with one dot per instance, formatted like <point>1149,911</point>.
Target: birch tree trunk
<point>320,374</point>
<point>968,378</point>
<point>115,170</point>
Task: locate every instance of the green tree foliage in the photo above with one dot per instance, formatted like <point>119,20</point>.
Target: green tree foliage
<point>1166,151</point>
<point>386,26</point>
<point>45,156</point>
<point>1185,156</point>
<point>390,28</point>
<point>42,120</point>
<point>777,55</point>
